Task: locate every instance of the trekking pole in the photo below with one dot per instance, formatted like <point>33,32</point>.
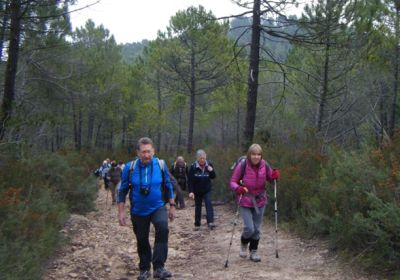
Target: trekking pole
<point>276,222</point>
<point>233,231</point>
<point>106,198</point>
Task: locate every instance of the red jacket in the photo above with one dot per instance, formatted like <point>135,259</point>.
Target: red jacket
<point>254,179</point>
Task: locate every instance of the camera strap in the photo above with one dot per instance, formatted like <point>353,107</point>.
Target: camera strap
<point>140,175</point>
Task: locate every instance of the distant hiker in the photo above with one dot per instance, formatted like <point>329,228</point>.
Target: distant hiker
<point>180,171</point>
<point>199,181</point>
<point>114,173</point>
<point>180,202</point>
<point>104,172</point>
<point>121,166</point>
<point>147,180</point>
<point>248,181</point>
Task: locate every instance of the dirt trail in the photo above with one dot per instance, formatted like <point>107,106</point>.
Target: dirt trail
<point>101,249</point>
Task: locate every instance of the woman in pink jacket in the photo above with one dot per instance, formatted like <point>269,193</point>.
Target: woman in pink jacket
<point>248,181</point>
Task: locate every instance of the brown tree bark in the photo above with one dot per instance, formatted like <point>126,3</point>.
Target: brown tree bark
<point>324,92</point>
<point>392,123</point>
<point>159,101</point>
<point>124,129</point>
<point>90,129</point>
<point>192,103</point>
<point>179,144</point>
<point>253,76</point>
<point>11,67</point>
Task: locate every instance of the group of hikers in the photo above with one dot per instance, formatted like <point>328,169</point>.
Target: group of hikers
<point>151,186</point>
<point>111,172</point>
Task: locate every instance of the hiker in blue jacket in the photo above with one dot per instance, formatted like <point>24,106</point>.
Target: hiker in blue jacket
<point>150,186</point>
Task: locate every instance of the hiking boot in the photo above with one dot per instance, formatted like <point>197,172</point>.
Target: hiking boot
<point>254,257</point>
<point>211,226</point>
<point>144,275</point>
<point>196,228</point>
<point>243,250</point>
<point>161,273</point>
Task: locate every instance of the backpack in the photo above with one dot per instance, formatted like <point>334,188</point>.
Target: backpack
<point>179,170</point>
<point>97,172</point>
<point>242,162</point>
<point>164,189</point>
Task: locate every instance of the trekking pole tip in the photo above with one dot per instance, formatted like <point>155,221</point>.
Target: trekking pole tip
<point>226,264</point>
<point>276,254</point>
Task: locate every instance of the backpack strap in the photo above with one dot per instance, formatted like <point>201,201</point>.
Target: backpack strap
<point>164,189</point>
<point>131,168</point>
<point>161,163</point>
<point>242,162</point>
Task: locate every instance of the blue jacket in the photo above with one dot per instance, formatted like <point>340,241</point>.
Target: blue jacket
<point>151,178</point>
<point>104,169</point>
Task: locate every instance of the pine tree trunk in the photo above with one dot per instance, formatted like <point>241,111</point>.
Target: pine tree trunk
<point>192,103</point>
<point>238,122</point>
<point>90,129</point>
<point>179,144</point>
<point>11,67</point>
<point>324,93</point>
<point>158,143</point>
<point>124,128</point>
<point>392,124</point>
<point>79,135</point>
<point>253,76</point>
<point>97,139</point>
<point>222,129</point>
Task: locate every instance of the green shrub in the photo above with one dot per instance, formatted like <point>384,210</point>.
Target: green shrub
<point>36,195</point>
<point>346,207</point>
<point>376,234</point>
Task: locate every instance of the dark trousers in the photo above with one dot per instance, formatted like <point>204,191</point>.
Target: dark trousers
<point>180,201</point>
<point>141,228</point>
<point>198,200</point>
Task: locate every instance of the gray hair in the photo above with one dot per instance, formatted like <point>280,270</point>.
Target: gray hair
<point>143,141</point>
<point>201,153</point>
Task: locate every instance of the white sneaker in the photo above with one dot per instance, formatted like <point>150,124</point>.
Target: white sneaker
<point>254,257</point>
<point>243,250</point>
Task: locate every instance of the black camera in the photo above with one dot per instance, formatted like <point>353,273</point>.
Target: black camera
<point>144,190</point>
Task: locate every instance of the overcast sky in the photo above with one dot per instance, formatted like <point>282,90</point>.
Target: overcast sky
<point>134,20</point>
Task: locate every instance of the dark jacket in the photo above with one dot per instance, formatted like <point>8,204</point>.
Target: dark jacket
<point>180,171</point>
<point>115,174</point>
<point>200,182</point>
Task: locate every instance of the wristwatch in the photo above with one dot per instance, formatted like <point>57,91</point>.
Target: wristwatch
<point>172,205</point>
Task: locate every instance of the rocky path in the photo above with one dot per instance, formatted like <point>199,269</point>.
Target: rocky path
<point>100,249</point>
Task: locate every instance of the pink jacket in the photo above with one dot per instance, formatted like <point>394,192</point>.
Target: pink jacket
<point>254,180</point>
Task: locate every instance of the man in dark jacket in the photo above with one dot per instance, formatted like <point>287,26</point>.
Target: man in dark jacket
<point>180,171</point>
<point>200,174</point>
